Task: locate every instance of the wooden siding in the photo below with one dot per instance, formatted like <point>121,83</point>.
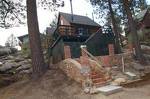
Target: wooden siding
<point>65,22</point>
<point>68,28</point>
<point>74,48</point>
<point>57,52</point>
<point>98,44</point>
<point>146,20</point>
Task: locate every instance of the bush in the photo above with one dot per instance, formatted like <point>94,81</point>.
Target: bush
<point>26,49</point>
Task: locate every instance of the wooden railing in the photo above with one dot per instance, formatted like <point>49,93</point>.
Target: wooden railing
<point>67,30</point>
<point>99,64</point>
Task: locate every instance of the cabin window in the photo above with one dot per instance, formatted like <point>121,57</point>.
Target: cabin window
<point>62,22</point>
<point>86,30</point>
<point>80,31</point>
<point>83,31</point>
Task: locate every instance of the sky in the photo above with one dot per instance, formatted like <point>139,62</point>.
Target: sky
<point>80,7</point>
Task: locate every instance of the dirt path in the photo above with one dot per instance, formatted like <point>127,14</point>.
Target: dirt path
<point>55,85</point>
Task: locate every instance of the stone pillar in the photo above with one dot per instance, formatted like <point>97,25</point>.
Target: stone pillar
<point>67,52</point>
<point>111,49</point>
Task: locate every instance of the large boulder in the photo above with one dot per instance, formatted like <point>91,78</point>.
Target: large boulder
<point>8,66</point>
<point>7,50</point>
<point>28,71</point>
<point>23,62</point>
<point>19,59</point>
<point>10,57</point>
<point>4,51</point>
<point>1,63</point>
<point>137,66</point>
<point>118,81</point>
<point>24,67</point>
<point>145,47</point>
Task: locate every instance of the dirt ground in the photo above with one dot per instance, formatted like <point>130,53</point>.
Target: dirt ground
<point>55,85</point>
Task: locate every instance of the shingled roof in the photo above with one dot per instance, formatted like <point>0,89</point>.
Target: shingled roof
<point>23,36</point>
<point>50,30</point>
<point>78,19</point>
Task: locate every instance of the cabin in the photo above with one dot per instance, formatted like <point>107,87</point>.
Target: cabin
<point>142,20</point>
<point>76,30</point>
<point>24,41</point>
<point>24,38</point>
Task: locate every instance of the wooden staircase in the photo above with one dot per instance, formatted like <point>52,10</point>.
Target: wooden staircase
<point>98,79</point>
<point>98,74</point>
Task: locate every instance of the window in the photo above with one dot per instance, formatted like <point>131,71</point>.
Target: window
<point>80,31</point>
<point>61,22</point>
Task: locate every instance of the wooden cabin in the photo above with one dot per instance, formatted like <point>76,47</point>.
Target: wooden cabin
<point>75,26</point>
<point>77,30</point>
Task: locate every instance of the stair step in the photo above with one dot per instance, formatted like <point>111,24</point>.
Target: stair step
<point>96,76</point>
<point>96,80</point>
<point>99,84</point>
<point>93,73</point>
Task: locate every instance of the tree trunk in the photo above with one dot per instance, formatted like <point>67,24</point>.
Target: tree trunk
<point>117,42</point>
<point>38,64</point>
<point>132,25</point>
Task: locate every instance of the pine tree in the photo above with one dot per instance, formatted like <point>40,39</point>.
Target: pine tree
<point>132,25</point>
<point>107,5</point>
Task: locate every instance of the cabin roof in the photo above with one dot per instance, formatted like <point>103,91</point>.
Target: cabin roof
<point>21,37</point>
<point>78,19</point>
<point>50,30</point>
<point>27,35</point>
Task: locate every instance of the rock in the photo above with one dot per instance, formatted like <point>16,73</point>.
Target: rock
<point>29,71</point>
<point>26,56</point>
<point>10,57</point>
<point>24,67</point>
<point>8,66</point>
<point>93,90</point>
<point>147,56</point>
<point>8,61</point>
<point>4,51</point>
<point>1,63</point>
<point>118,81</point>
<point>145,47</point>
<point>29,60</point>
<point>109,89</point>
<point>18,59</point>
<point>86,90</point>
<point>23,62</point>
<point>137,66</point>
<point>131,75</point>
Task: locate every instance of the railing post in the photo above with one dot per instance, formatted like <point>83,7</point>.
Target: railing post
<point>84,57</point>
<point>67,53</point>
<point>83,53</point>
<point>111,49</point>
